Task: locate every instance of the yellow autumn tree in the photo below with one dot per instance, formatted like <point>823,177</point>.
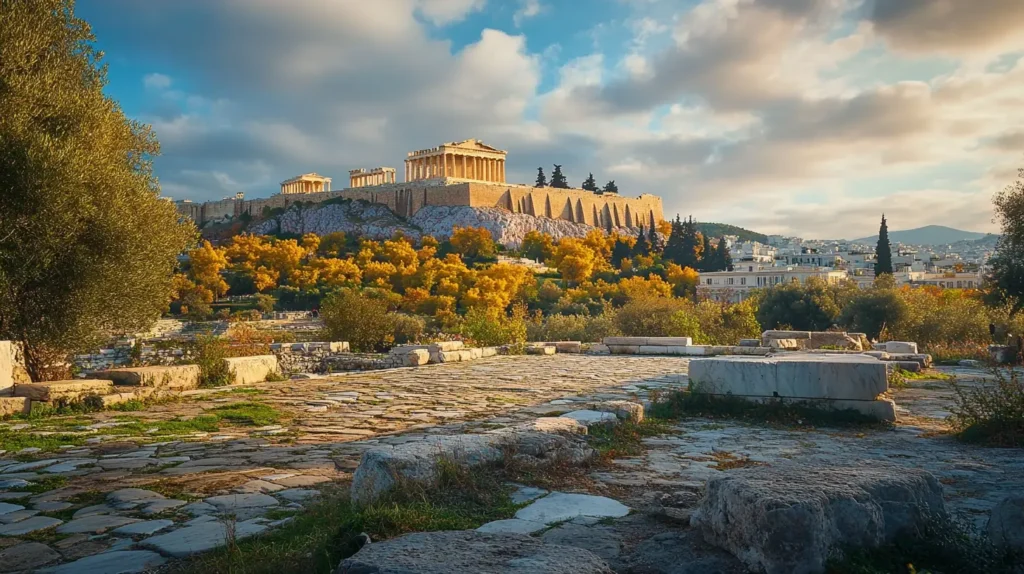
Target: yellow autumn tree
<point>683,279</point>
<point>207,263</point>
<point>473,242</point>
<point>538,246</point>
<point>574,260</point>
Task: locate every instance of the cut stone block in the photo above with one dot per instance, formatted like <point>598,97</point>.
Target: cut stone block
<point>488,351</point>
<point>568,346</point>
<point>821,339</point>
<point>900,347</point>
<point>175,377</point>
<point>384,468</point>
<point>7,353</point>
<point>663,349</point>
<point>669,341</point>
<point>70,390</point>
<point>623,349</point>
<point>924,360</point>
<point>802,376</point>
<point>750,343</point>
<point>788,518</point>
<point>591,418</point>
<point>773,334</point>
<point>625,410</point>
<point>540,350</point>
<point>415,357</point>
<point>784,344</point>
<point>471,551</point>
<point>15,406</point>
<point>249,370</point>
<point>599,349</point>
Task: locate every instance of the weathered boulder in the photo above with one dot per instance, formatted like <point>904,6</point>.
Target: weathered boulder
<point>415,357</point>
<point>249,370</point>
<point>542,349</point>
<point>70,390</point>
<point>15,406</point>
<point>1006,524</point>
<point>384,468</point>
<point>788,518</point>
<point>470,551</point>
<point>625,410</point>
<point>176,377</point>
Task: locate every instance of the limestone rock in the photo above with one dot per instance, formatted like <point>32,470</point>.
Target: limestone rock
<point>803,376</point>
<point>1006,524</point>
<point>470,551</point>
<point>560,506</point>
<point>26,556</point>
<point>591,418</point>
<point>789,517</point>
<point>176,377</point>
<point>383,468</point>
<point>250,370</point>
<point>73,389</point>
<point>117,562</point>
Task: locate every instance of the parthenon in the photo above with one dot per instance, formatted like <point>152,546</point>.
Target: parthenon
<point>306,183</point>
<point>469,159</point>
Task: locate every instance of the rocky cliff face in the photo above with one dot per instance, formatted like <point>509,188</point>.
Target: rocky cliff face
<point>379,222</point>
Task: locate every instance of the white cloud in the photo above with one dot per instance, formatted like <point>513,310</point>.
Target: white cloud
<point>527,9</point>
<point>443,12</point>
<point>156,81</point>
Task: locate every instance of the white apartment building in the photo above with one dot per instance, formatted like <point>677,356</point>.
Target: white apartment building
<point>752,251</point>
<point>735,286</point>
<point>947,280</point>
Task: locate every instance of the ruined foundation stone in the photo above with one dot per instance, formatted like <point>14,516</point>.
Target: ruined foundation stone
<point>177,377</point>
<point>788,518</point>
<point>249,370</point>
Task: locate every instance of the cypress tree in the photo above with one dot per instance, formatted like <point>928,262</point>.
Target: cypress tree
<point>673,251</point>
<point>652,236</point>
<point>557,179</point>
<point>723,259</point>
<point>541,180</point>
<point>620,251</point>
<point>883,251</point>
<point>689,244</point>
<point>707,256</point>
<point>589,184</point>
<point>643,246</point>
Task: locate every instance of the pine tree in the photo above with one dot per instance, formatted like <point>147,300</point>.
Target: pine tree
<point>723,259</point>
<point>589,184</point>
<point>643,246</point>
<point>610,187</point>
<point>883,251</point>
<point>673,251</point>
<point>541,180</point>
<point>620,251</point>
<point>690,245</point>
<point>557,179</point>
<point>652,237</point>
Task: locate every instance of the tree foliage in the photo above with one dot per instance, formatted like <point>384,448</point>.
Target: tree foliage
<point>1006,278</point>
<point>589,184</point>
<point>883,251</point>
<point>610,187</point>
<point>558,179</point>
<point>87,247</point>
<point>542,181</point>
<point>813,306</point>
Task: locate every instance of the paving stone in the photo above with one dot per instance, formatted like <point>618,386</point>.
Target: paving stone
<point>8,483</point>
<point>560,506</point>
<point>94,509</point>
<point>26,556</point>
<point>527,493</point>
<point>132,495</point>
<point>144,528</point>
<point>96,524</point>
<point>589,417</point>
<point>297,494</point>
<point>603,541</point>
<point>258,486</point>
<point>512,526</point>
<point>52,506</point>
<point>29,525</point>
<point>17,516</point>
<point>199,537</point>
<point>118,562</point>
<point>302,480</point>
<point>231,502</point>
<point>158,506</point>
<point>32,465</point>
<point>6,507</point>
<point>199,508</point>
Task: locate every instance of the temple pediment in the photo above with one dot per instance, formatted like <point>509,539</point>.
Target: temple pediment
<point>475,145</point>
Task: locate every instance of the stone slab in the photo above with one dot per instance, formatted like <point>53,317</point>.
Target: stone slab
<point>26,557</point>
<point>663,349</point>
<point>512,526</point>
<point>95,524</point>
<point>568,346</point>
<point>200,537</point>
<point>899,347</point>
<point>466,551</point>
<point>541,350</point>
<point>561,506</point>
<point>15,406</point>
<point>255,369</point>
<point>623,349</point>
<point>669,341</point>
<point>776,334</point>
<point>590,418</point>
<point>174,377</point>
<point>145,528</point>
<point>29,525</point>
<point>798,376</point>
<point>72,389</point>
<point>116,562</point>
<point>624,341</point>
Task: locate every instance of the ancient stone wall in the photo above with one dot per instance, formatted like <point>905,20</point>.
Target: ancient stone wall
<point>406,198</point>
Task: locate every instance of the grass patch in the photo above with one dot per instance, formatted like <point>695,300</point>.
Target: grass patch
<point>941,545</point>
<point>684,404</point>
<point>131,405</point>
<point>327,531</point>
<point>624,439</point>
<point>248,413</point>
<point>45,484</point>
<point>899,378</point>
<point>990,413</point>
<point>247,391</point>
<point>14,441</point>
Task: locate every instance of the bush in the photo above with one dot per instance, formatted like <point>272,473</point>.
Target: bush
<point>488,327</point>
<point>813,306</point>
<point>408,328</point>
<point>362,321</point>
<point>585,328</point>
<point>871,311</point>
<point>658,317</point>
<point>726,324</point>
<point>990,413</point>
<point>209,352</point>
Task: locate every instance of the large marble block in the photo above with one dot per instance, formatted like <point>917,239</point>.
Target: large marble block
<point>805,376</point>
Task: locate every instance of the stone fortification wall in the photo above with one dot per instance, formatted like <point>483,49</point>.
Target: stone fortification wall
<point>407,198</point>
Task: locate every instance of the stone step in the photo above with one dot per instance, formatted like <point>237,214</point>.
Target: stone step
<point>175,377</point>
<point>70,389</point>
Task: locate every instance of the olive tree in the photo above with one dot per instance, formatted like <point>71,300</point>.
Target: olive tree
<point>87,246</point>
<point>1006,278</point>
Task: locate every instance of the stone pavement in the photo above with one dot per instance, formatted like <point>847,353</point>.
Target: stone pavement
<point>128,503</point>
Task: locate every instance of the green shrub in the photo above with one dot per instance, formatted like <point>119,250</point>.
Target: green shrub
<point>990,412</point>
<point>651,317</point>
<point>408,328</point>
<point>585,328</point>
<point>870,311</point>
<point>209,352</point>
<point>490,327</point>
<point>363,321</point>
<point>726,324</point>
<point>812,306</point>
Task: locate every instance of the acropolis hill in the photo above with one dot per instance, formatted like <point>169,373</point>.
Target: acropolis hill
<point>459,174</point>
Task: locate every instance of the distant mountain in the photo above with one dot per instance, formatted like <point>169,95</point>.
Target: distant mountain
<point>927,235</point>
<point>716,230</point>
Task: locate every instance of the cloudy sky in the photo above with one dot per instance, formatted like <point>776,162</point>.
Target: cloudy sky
<point>807,117</point>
